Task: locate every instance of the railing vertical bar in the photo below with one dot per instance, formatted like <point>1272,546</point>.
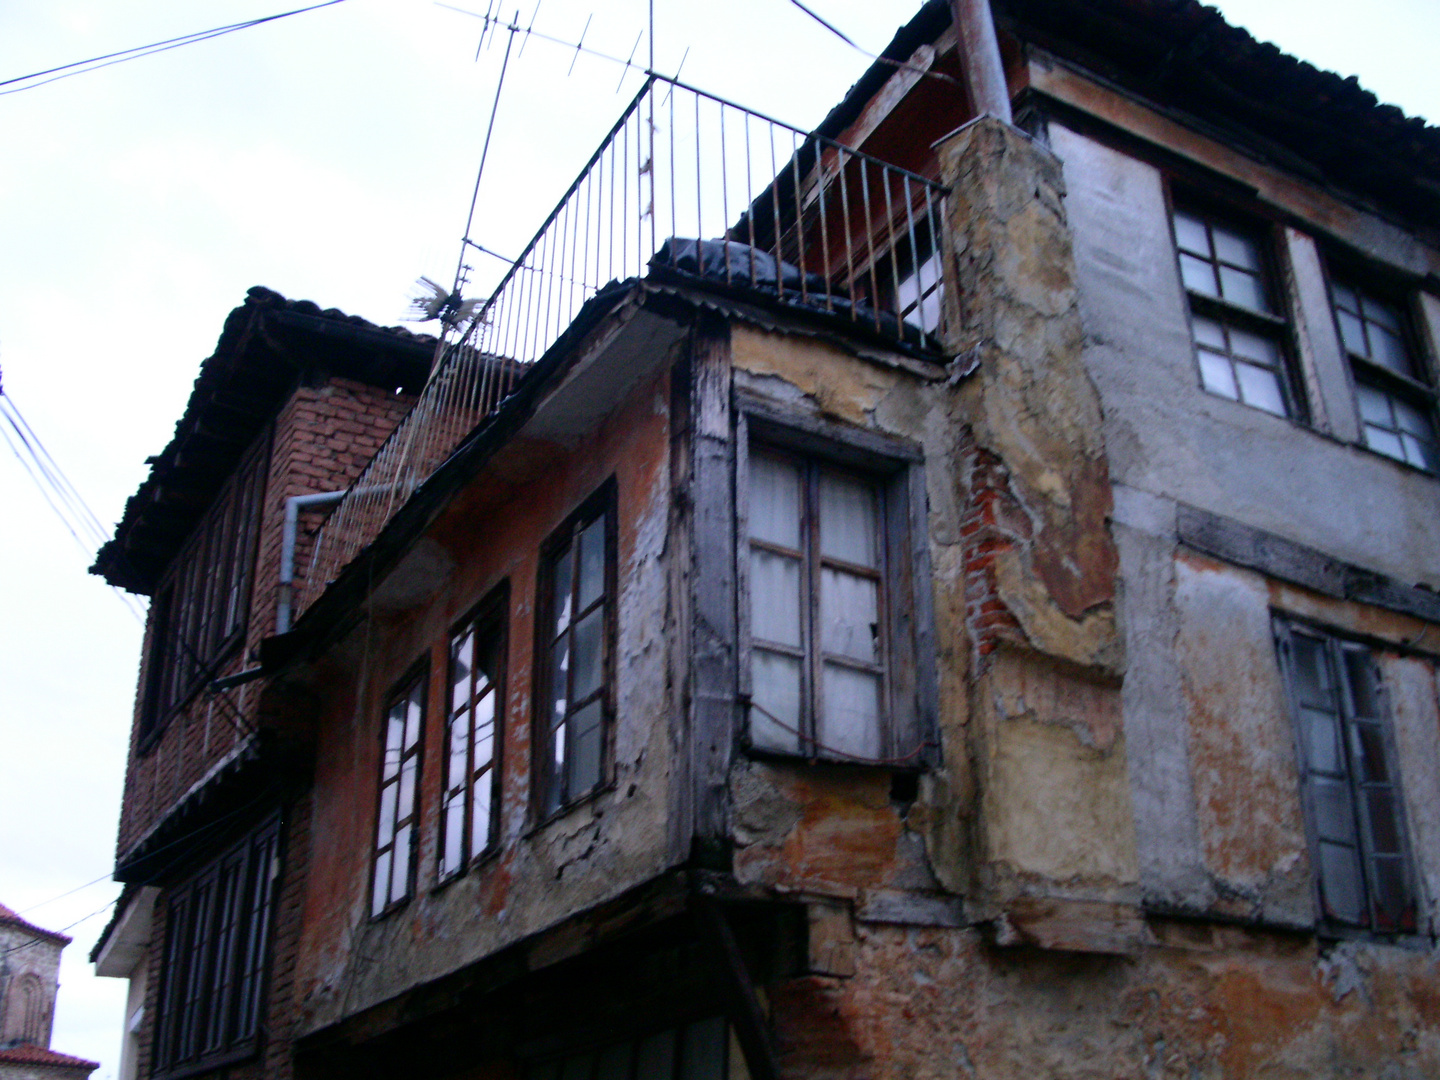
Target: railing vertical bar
<point>890,233</point>
<point>699,213</point>
<point>870,243</point>
<point>724,196</point>
<point>639,198</point>
<point>799,215</point>
<point>849,244</point>
<point>775,213</point>
<point>915,263</point>
<point>674,202</point>
<point>937,241</point>
<point>824,229</point>
<point>750,202</point>
<point>624,200</point>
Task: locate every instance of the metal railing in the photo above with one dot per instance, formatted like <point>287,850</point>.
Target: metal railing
<point>794,218</point>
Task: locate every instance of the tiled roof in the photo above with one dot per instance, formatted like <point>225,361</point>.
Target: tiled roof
<point>9,918</point>
<point>38,1055</point>
<point>267,344</point>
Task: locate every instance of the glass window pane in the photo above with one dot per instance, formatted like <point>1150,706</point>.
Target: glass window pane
<point>592,563</point>
<point>1368,745</point>
<point>1218,376</point>
<point>1424,454</point>
<point>484,729</point>
<point>851,719</point>
<point>775,681</point>
<point>589,638</point>
<point>1243,288</point>
<point>703,1055</point>
<point>1320,733</point>
<point>407,790</point>
<point>849,615</point>
<point>414,716</point>
<point>584,764</point>
<point>1352,333</point>
<point>1384,821</point>
<point>1198,275</point>
<point>1341,889</point>
<point>655,1060</point>
<point>1364,682</point>
<point>1260,387</point>
<point>848,520</point>
<point>394,733</point>
<point>1254,347</point>
<point>1374,405</point>
<point>1384,441</point>
<point>1377,311</point>
<point>480,813</point>
<point>560,658</point>
<point>381,894</point>
<point>385,827</point>
<point>1388,350</point>
<point>1190,234</point>
<point>1410,419</point>
<point>1334,818</point>
<point>1312,671</point>
<point>1236,248</point>
<point>1394,909</point>
<point>400,867</point>
<point>1345,298</point>
<point>774,597</point>
<point>561,596</point>
<point>453,857</point>
<point>461,658</point>
<point>774,500</point>
<point>1209,332</point>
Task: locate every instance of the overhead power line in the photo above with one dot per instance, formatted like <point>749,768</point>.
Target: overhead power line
<point>95,63</point>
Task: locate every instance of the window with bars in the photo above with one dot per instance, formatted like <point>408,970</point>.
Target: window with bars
<point>202,606</point>
<point>217,940</point>
<point>1349,781</point>
<point>392,872</point>
<point>695,1051</point>
<point>576,634</point>
<point>1396,400</point>
<point>1236,319</point>
<point>470,798</point>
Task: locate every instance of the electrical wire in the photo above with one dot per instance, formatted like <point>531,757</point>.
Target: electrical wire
<point>95,63</point>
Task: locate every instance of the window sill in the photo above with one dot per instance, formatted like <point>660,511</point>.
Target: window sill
<point>476,865</point>
<point>588,799</point>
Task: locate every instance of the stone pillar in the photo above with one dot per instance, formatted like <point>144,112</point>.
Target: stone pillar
<point>1053,820</point>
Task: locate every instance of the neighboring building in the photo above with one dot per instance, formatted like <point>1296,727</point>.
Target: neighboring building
<point>29,981</point>
<point>976,617</point>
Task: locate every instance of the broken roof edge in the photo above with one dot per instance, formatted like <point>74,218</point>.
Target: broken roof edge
<point>9,917</point>
<point>239,388</point>
<point>1278,99</point>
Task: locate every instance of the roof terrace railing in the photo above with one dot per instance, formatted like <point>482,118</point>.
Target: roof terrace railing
<point>798,219</point>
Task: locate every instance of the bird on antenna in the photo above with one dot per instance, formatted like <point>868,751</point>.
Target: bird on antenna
<point>434,301</point>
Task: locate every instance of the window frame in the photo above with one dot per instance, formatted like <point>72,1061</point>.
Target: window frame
<point>202,607</point>
<point>895,466</point>
<point>209,1037</point>
<point>414,683</point>
<point>1276,325</point>
<point>1416,387</point>
<point>489,617</point>
<point>1334,647</point>
<point>599,505</point>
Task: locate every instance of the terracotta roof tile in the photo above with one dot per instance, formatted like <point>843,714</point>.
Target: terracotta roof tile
<point>9,918</point>
<point>38,1055</point>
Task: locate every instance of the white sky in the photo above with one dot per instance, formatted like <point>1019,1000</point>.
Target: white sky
<point>329,156</point>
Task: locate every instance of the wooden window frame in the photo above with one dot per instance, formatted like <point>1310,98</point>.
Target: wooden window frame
<point>1415,387</point>
<point>412,689</point>
<point>553,791</point>
<point>908,738</point>
<point>202,605</point>
<point>215,965</point>
<point>1336,649</point>
<point>1275,326</point>
<point>488,622</point>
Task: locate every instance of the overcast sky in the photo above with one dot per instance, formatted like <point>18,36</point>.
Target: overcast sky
<point>329,156</point>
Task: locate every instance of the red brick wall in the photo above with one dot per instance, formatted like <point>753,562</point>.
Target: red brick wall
<point>321,439</point>
<point>993,522</point>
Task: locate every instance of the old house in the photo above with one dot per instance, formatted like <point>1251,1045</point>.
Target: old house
<point>29,983</point>
<point>948,594</point>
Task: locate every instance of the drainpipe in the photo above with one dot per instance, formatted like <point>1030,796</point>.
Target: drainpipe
<point>980,58</point>
<point>293,506</point>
